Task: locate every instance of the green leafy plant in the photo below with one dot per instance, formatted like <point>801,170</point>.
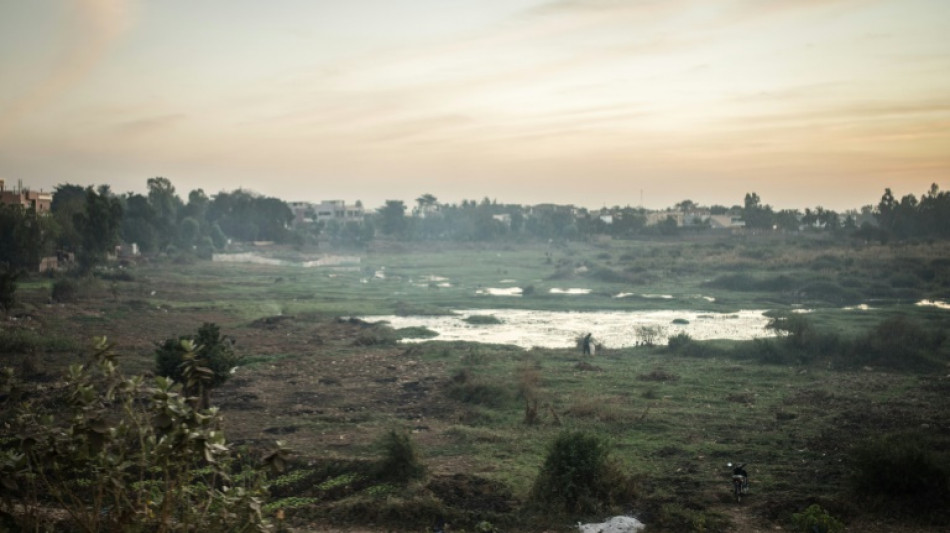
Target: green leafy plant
<point>105,452</point>
<point>8,286</point>
<point>200,362</point>
<point>400,462</point>
<point>578,477</point>
<point>902,468</point>
<point>65,290</point>
<point>814,519</point>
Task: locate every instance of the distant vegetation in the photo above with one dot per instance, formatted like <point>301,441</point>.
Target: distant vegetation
<point>842,414</point>
<point>88,223</point>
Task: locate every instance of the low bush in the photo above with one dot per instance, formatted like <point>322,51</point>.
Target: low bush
<point>8,286</point>
<point>902,473</point>
<point>579,478</point>
<point>400,462</point>
<point>814,519</point>
<point>377,335</point>
<point>829,291</point>
<point>25,341</point>
<point>111,453</point>
<point>201,362</point>
<point>416,332</point>
<point>900,344</point>
<point>467,389</point>
<point>611,276</point>
<point>65,290</point>
<point>113,274</point>
<point>733,282</point>
<point>216,351</point>
<point>677,517</point>
<point>679,343</point>
<point>482,320</point>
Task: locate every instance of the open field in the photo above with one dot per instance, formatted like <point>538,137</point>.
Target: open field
<point>483,416</point>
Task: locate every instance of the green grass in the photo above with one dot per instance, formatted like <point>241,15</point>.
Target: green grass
<point>788,422</point>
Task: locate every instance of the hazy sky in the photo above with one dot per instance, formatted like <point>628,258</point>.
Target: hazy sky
<point>591,102</point>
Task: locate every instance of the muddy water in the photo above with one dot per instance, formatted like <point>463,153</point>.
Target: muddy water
<point>558,329</point>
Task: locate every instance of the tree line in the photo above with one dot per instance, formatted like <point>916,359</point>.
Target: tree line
<point>89,222</point>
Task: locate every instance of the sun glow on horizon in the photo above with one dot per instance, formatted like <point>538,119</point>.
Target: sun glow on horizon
<point>581,102</point>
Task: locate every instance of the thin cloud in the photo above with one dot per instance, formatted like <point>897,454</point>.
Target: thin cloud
<point>94,25</point>
<point>150,124</point>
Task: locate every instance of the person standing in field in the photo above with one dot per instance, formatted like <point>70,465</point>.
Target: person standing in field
<point>587,344</point>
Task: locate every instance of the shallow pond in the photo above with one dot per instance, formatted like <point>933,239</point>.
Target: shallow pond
<point>559,329</point>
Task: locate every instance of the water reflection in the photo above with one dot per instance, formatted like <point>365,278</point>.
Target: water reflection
<point>558,329</point>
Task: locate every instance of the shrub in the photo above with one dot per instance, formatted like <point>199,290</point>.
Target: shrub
<point>678,517</point>
<point>679,342</point>
<point>814,519</point>
<point>400,462</point>
<point>110,453</point>
<point>578,477</point>
<point>25,341</point>
<point>211,359</point>
<point>467,390</point>
<point>831,292</point>
<point>482,320</point>
<point>205,248</point>
<point>901,344</point>
<point>416,332</point>
<point>376,336</point>
<point>733,282</point>
<point>904,470</point>
<point>8,279</point>
<point>796,327</point>
<point>65,290</point>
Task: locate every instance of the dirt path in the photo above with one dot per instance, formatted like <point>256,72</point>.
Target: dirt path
<point>744,521</point>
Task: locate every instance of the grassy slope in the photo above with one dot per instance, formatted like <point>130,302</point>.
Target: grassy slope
<point>674,421</point>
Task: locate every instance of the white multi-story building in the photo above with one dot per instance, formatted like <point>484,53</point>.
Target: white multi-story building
<point>308,212</point>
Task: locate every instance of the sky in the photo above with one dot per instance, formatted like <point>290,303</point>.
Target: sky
<point>587,102</point>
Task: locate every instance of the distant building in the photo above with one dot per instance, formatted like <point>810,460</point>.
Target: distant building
<point>726,222</point>
<point>308,212</point>
<point>657,217</point>
<point>40,201</point>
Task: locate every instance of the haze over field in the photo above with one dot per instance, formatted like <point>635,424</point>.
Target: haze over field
<point>586,102</point>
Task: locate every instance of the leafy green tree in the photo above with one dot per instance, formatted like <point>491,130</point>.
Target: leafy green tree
<point>25,236</point>
<point>426,202</point>
<point>98,226</point>
<point>139,223</point>
<point>68,201</point>
<point>218,238</point>
<point>244,216</point>
<point>788,220</point>
<point>188,233</point>
<point>686,206</point>
<point>886,211</point>
<point>166,204</point>
<point>628,222</point>
<point>392,218</point>
<point>756,215</point>
<point>197,206</point>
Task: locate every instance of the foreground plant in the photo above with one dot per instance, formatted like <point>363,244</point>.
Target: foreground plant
<point>102,452</point>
